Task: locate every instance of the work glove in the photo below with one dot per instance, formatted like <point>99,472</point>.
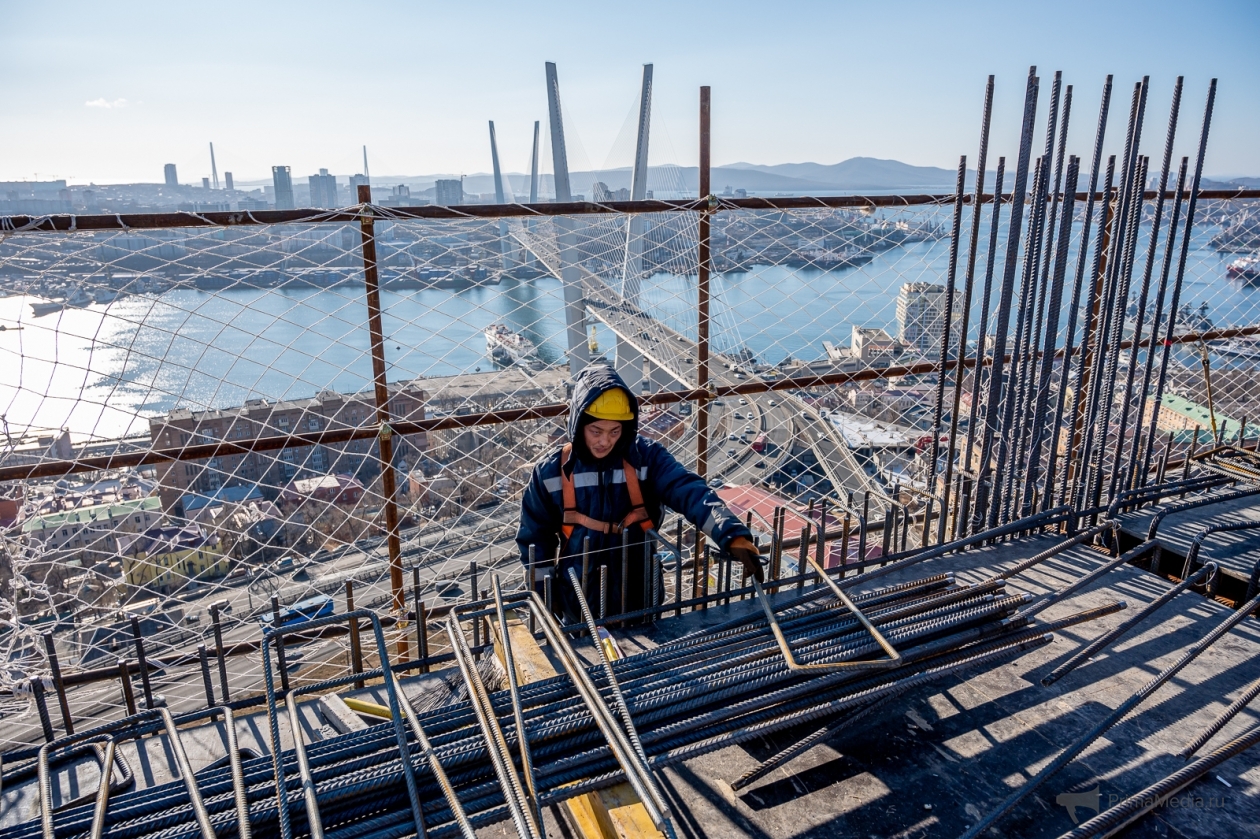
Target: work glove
<point>743,549</point>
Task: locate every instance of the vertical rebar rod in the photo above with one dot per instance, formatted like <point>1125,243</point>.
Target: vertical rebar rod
<point>678,570</point>
<point>801,563</point>
<point>702,289</point>
<point>695,566</point>
<point>1191,205</point>
<point>969,281</point>
<point>1062,409</point>
<point>1140,319</point>
<point>1123,296</point>
<point>356,648</point>
<point>1042,384</point>
<point>59,685</point>
<point>1117,297</point>
<point>41,704</point>
<point>1080,431</point>
<point>986,510</point>
<point>1042,234</point>
<point>143,662</point>
<point>281,663</point>
<point>704,579</point>
<point>603,592</point>
<point>1053,309</point>
<point>947,336</point>
<point>625,569</point>
<point>220,658</point>
<point>1103,334</point>
<point>973,415</point>
<point>129,695</point>
<point>422,625</point>
<point>371,280</point>
<point>206,682</point>
<point>1007,439</point>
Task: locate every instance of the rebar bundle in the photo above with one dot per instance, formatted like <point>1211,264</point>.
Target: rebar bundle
<point>685,698</point>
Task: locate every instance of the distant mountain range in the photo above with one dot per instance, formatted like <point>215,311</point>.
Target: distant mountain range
<point>856,175</point>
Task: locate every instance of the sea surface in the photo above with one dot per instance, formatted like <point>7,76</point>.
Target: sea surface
<point>103,370</point>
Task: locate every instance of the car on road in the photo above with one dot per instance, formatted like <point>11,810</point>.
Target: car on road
<point>772,403</point>
<point>301,612</point>
<point>730,452</point>
<point>743,401</point>
<point>716,483</point>
<point>733,437</point>
<point>760,464</point>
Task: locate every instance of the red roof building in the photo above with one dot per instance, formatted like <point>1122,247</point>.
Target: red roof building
<point>743,499</point>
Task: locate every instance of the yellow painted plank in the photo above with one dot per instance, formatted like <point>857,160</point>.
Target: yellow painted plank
<point>612,813</point>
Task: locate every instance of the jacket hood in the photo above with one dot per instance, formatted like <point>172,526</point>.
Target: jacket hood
<point>588,384</point>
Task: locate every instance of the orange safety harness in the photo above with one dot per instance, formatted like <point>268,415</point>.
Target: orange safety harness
<point>638,513</point>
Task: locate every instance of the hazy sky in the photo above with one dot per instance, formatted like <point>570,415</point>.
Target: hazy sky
<point>108,92</point>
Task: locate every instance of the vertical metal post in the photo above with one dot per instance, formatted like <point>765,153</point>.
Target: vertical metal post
<point>655,577</point>
<point>356,648</point>
<point>702,293</point>
<point>219,655</point>
<point>603,592</point>
<point>987,502</point>
<point>54,665</point>
<point>821,552</point>
<point>371,279</point>
<point>142,662</point>
<point>678,571</point>
<point>1075,465</point>
<point>205,675</point>
<point>129,696</point>
<point>704,580</point>
<point>280,660</point>
<point>1063,418</point>
<point>625,569</point>
<point>947,337</point>
<point>801,564</point>
<point>422,636</point>
<point>472,595</point>
<point>41,706</point>
<point>421,628</point>
<point>695,566</point>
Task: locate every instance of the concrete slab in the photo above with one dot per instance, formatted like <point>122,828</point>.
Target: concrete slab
<point>1236,552</point>
<point>935,761</point>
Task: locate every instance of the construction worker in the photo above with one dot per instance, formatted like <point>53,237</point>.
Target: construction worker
<point>608,484</point>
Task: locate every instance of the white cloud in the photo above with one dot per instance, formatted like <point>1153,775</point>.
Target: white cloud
<point>106,103</point>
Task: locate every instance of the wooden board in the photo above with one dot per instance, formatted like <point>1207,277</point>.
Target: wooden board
<point>612,813</point>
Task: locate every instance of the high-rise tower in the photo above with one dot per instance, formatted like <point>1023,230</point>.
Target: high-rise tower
<point>282,182</point>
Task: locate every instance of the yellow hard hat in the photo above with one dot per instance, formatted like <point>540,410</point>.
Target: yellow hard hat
<point>612,404</point>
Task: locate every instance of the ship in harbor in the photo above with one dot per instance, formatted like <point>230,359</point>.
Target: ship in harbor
<point>1246,268</point>
<point>508,347</point>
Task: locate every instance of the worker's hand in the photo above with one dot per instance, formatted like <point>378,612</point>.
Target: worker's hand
<point>746,552</point>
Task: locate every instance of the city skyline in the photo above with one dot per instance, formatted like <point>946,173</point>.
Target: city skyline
<point>818,82</point>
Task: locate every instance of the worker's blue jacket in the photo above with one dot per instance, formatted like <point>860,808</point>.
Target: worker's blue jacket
<point>600,490</point>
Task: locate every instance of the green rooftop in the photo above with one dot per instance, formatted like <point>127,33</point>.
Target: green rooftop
<point>98,512</point>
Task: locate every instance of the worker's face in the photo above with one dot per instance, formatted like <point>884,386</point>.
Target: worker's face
<point>601,436</point>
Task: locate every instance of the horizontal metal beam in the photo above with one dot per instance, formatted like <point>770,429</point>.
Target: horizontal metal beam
<point>204,451</point>
<point>351,215</point>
